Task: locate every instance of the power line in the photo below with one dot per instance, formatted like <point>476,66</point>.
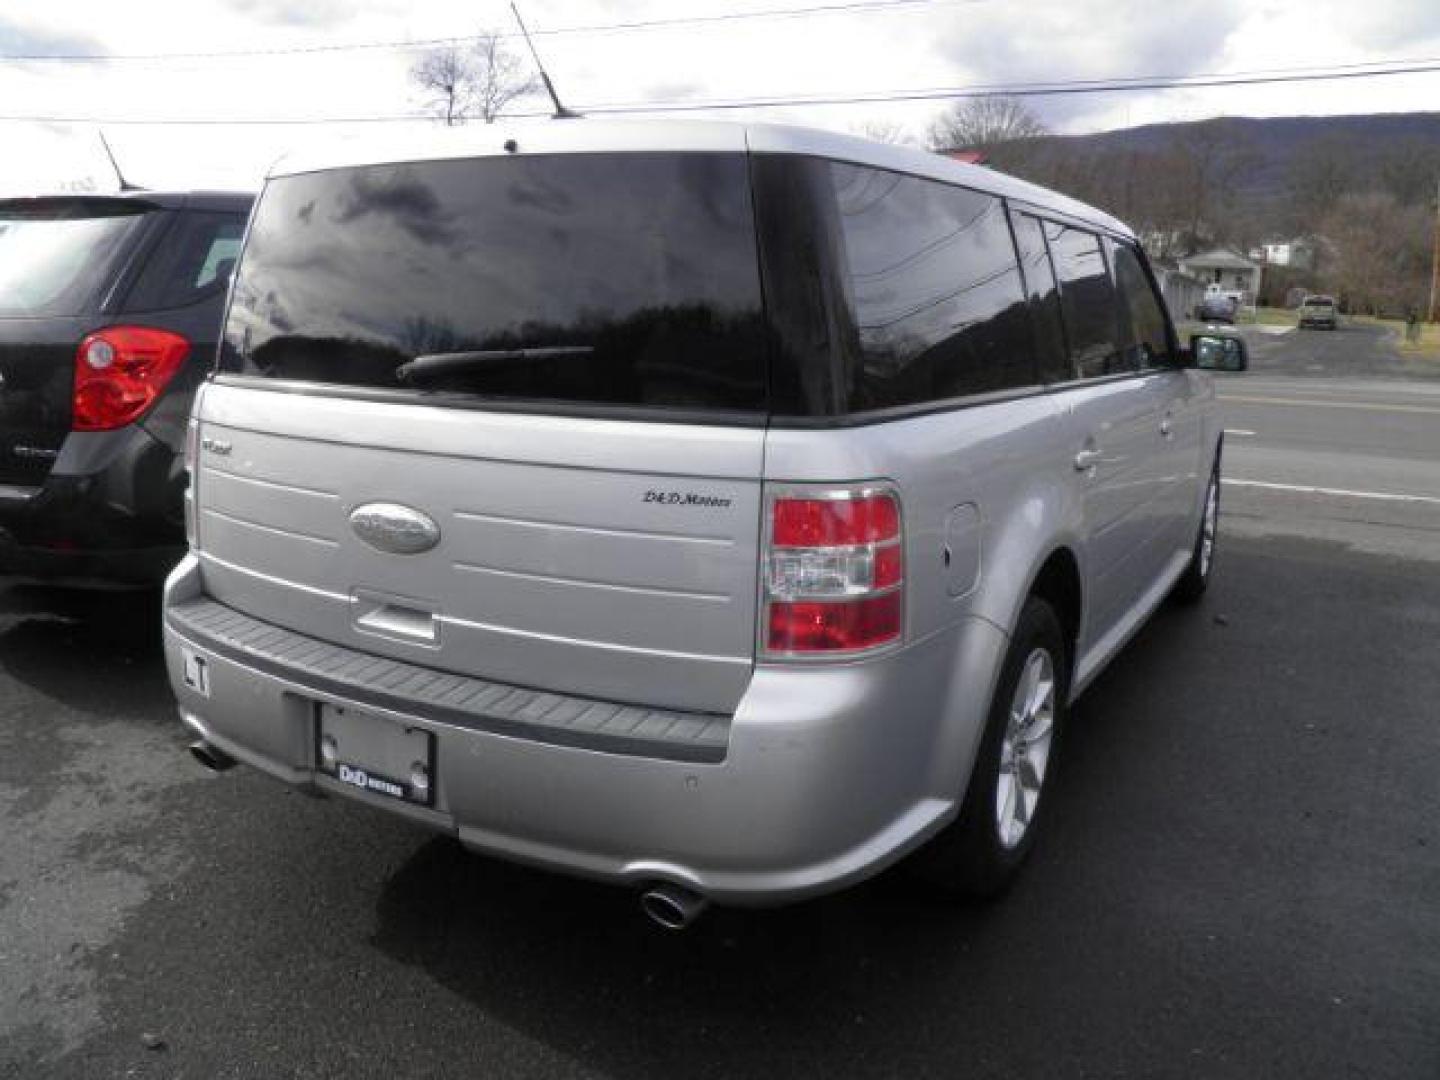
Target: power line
<point>1119,85</point>
<point>1321,69</point>
<point>633,26</point>
<point>1055,89</point>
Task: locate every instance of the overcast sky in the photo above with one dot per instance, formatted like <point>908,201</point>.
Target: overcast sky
<point>905,46</point>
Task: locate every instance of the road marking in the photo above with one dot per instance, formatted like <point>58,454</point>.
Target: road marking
<point>1388,496</point>
<point>1237,431</point>
<point>1331,404</point>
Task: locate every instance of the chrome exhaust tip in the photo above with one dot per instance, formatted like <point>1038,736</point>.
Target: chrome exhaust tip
<point>672,906</point>
<point>213,758</point>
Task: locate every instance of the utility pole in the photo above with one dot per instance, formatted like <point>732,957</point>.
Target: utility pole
<point>1435,257</point>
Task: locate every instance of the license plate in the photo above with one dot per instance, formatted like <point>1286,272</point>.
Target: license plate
<point>195,671</point>
<point>375,754</point>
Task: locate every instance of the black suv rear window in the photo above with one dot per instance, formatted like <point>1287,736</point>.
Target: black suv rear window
<point>56,256</point>
<point>607,279</point>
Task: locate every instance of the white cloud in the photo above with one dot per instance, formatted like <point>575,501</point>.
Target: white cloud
<point>941,44</point>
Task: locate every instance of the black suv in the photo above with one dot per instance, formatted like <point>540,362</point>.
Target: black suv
<point>109,311</point>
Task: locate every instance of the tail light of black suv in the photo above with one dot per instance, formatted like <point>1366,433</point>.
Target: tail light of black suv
<point>110,308</point>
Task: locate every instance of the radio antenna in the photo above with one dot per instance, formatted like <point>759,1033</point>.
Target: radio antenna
<point>125,185</point>
<point>561,112</point>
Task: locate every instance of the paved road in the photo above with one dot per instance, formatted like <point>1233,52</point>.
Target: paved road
<point>1354,459</point>
<point>1242,878</point>
<point>1348,352</point>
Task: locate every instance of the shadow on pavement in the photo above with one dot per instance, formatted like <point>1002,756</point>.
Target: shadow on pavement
<point>93,651</point>
<point>576,966</point>
<point>889,977</point>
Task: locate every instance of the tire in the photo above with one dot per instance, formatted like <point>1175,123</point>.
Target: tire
<point>1196,578</point>
<point>980,853</point>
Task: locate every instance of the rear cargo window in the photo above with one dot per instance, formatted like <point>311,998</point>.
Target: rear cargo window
<point>193,261</point>
<point>936,290</point>
<point>57,257</point>
<point>598,279</point>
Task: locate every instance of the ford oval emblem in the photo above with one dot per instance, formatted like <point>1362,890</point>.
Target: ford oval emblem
<point>393,528</point>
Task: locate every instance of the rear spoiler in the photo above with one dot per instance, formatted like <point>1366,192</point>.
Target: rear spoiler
<point>75,206</point>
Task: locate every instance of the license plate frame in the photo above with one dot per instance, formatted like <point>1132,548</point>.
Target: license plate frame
<point>375,754</point>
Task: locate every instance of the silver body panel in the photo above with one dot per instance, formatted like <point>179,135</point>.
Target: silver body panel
<point>830,773</point>
<point>552,569</point>
<point>554,573</point>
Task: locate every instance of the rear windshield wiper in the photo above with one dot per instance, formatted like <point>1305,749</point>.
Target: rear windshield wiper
<point>436,365</point>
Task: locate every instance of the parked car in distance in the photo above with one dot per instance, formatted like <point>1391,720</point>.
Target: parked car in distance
<point>1318,312</point>
<point>725,511</point>
<point>1218,307</point>
<point>110,306</point>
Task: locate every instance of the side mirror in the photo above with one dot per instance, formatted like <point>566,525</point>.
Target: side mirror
<point>1218,352</point>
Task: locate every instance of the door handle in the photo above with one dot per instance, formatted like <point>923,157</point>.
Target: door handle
<point>1086,460</point>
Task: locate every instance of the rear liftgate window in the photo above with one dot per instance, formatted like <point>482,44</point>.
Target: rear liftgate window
<point>55,257</point>
<point>595,279</point>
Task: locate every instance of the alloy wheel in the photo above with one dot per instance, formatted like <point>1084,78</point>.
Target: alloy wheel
<point>1025,749</point>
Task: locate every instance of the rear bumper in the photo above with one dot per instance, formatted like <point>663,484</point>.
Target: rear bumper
<point>828,774</point>
<point>138,567</point>
<point>109,512</point>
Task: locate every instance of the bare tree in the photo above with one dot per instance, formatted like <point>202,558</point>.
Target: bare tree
<point>460,83</point>
<point>1381,258</point>
<point>1408,169</point>
<point>1320,176</point>
<point>444,76</point>
<point>500,76</point>
<point>985,122</point>
<point>1203,163</point>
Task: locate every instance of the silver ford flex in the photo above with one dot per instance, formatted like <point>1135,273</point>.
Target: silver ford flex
<point>727,511</point>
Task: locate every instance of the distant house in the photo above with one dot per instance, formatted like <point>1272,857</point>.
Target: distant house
<point>1298,253</point>
<point>1182,292</point>
<point>1231,271</point>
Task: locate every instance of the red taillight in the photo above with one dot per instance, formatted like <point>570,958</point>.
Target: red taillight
<point>834,572</point>
<point>833,626</point>
<point>120,371</point>
<point>832,522</point>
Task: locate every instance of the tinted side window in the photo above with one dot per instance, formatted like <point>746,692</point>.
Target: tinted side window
<point>193,260</point>
<point>935,288</point>
<point>1053,362</point>
<point>1089,301</point>
<point>1148,339</point>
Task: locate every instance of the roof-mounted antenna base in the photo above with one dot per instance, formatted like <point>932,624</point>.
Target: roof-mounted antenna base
<point>125,184</point>
<point>561,112</point>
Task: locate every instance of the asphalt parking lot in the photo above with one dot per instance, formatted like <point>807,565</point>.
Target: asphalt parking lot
<point>1241,876</point>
